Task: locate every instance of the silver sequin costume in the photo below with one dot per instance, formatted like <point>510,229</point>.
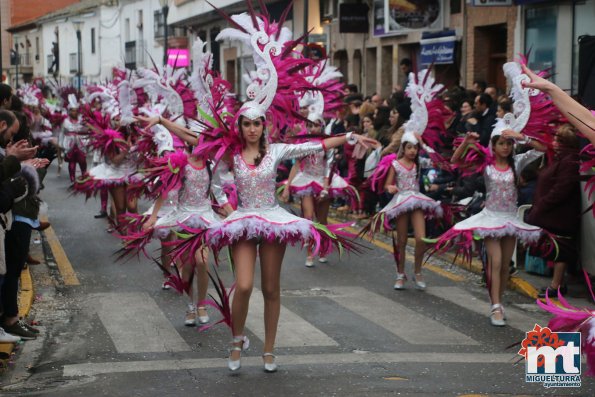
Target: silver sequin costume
<point>499,216</point>
<point>309,180</point>
<point>193,204</point>
<point>259,216</point>
<point>408,198</point>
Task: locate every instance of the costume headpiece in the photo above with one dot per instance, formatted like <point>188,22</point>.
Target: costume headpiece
<point>274,88</point>
<point>31,95</point>
<point>326,95</point>
<point>73,103</point>
<point>169,86</point>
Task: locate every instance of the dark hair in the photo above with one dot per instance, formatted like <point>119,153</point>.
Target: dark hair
<point>506,105</point>
<point>24,131</point>
<point>352,88</point>
<point>405,62</point>
<point>8,117</point>
<point>482,84</point>
<point>404,110</point>
<point>381,119</point>
<point>5,92</point>
<point>262,143</point>
<point>469,101</point>
<point>352,120</point>
<point>486,99</point>
<point>509,159</point>
<point>16,104</point>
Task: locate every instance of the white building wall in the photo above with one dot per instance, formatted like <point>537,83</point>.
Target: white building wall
<point>141,17</point>
<point>191,8</point>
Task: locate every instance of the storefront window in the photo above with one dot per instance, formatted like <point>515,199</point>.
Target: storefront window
<point>540,37</point>
<point>584,15</point>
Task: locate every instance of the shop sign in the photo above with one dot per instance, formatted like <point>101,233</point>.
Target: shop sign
<point>402,16</point>
<point>178,57</point>
<point>438,48</point>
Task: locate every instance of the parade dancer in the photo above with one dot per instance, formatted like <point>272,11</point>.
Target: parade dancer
<point>114,136</point>
<point>260,226</point>
<point>398,174</point>
<point>311,178</point>
<point>71,139</point>
<point>497,224</point>
<point>184,182</point>
<point>189,205</point>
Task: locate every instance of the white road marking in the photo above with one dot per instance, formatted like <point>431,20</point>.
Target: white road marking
<point>514,318</point>
<point>403,322</point>
<point>91,369</point>
<point>293,330</point>
<point>136,324</point>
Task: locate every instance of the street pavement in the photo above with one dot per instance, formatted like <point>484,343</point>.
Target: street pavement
<point>108,329</point>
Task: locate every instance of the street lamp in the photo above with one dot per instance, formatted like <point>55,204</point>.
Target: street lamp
<point>77,26</point>
<point>164,11</point>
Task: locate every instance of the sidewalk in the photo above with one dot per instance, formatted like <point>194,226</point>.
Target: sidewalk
<point>25,299</point>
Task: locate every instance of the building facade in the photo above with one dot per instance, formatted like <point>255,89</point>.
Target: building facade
<point>112,33</point>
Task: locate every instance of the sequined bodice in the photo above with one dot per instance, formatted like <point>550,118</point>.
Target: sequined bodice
<point>314,164</point>
<point>196,185</point>
<point>501,190</point>
<point>172,198</point>
<point>256,186</point>
<point>406,178</point>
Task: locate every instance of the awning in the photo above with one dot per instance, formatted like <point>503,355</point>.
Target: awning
<point>438,48</point>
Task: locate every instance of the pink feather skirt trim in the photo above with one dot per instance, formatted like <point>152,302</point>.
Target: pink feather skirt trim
<point>408,201</point>
<point>498,224</point>
<point>306,185</point>
<point>192,217</point>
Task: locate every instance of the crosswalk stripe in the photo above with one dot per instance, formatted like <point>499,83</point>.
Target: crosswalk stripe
<point>515,318</point>
<point>293,330</point>
<point>398,319</point>
<point>92,369</point>
<point>125,317</point>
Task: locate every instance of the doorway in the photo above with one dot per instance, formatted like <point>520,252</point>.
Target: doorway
<point>490,54</point>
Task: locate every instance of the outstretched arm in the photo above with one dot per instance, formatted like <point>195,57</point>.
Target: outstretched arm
<point>577,114</point>
<point>183,133</point>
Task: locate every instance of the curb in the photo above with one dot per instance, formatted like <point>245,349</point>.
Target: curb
<point>25,300</point>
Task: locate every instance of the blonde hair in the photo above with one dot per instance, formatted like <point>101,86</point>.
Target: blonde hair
<point>366,108</point>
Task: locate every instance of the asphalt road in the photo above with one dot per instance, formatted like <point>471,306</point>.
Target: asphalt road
<point>343,331</point>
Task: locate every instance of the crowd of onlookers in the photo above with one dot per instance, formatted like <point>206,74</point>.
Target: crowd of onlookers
<point>23,166</point>
<point>472,110</point>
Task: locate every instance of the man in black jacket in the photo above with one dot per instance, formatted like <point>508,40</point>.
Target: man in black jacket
<point>483,119</point>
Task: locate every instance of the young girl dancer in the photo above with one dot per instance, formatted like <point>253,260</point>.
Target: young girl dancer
<point>398,174</point>
<point>71,140</point>
<point>498,223</point>
<point>193,209</point>
<point>312,180</point>
<point>260,225</point>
